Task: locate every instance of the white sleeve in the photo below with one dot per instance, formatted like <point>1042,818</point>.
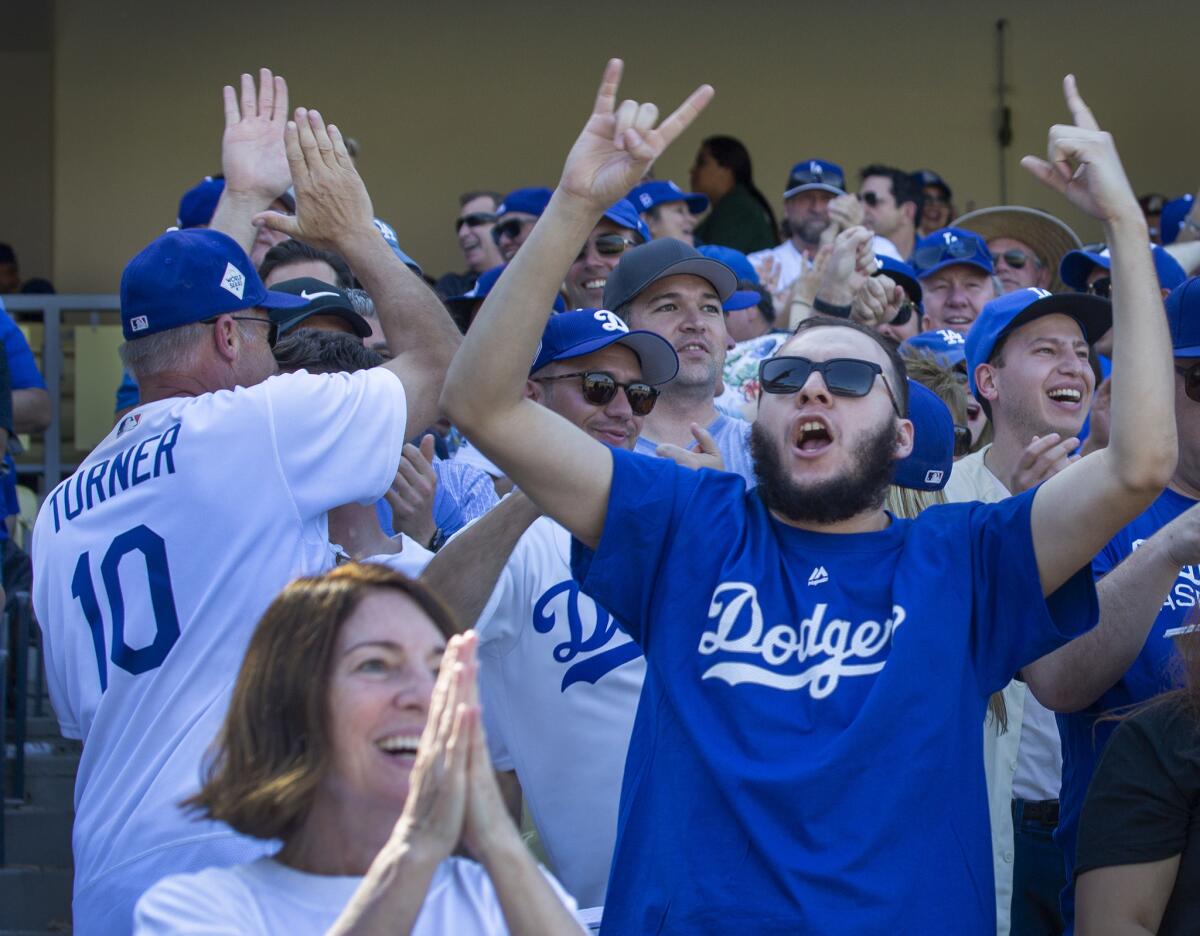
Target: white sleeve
<point>197,905</point>
<point>338,437</point>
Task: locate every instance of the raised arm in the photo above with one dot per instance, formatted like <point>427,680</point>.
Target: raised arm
<point>1078,510</point>
<point>484,390</point>
<point>333,210</point>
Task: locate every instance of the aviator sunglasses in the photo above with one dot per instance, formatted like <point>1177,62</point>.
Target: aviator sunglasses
<point>1014,258</point>
<point>843,376</point>
<point>607,245</point>
<point>1191,380</point>
<point>599,387</point>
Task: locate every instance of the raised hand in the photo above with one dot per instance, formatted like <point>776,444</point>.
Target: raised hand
<point>846,211</point>
<point>412,492</point>
<point>618,143</point>
<point>1082,163</point>
<point>876,301</point>
<point>253,157</point>
<point>1043,458</point>
<point>331,200</point>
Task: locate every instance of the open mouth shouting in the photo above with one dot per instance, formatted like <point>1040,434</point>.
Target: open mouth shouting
<point>813,436</point>
<point>399,746</point>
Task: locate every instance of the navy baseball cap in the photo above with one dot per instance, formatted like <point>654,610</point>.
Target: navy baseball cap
<point>734,259</point>
<point>949,347</point>
<point>1183,318</point>
<point>1170,221</point>
<point>815,174</point>
<point>1012,310</point>
<point>191,276</point>
<point>583,331</point>
<point>1078,265</point>
<point>624,214</point>
<point>647,263</point>
<point>659,192</point>
<point>389,235</point>
<point>949,246</point>
<point>198,204</point>
<point>902,275</point>
<point>927,177</point>
<point>320,298</point>
<point>927,467</point>
<point>532,201</point>
<point>483,286</point>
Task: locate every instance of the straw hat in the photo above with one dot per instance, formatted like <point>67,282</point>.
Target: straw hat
<point>1046,235</point>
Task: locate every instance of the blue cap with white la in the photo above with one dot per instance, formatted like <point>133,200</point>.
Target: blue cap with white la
<point>950,246</point>
<point>584,331</point>
<point>624,214</point>
<point>1077,266</point>
<point>1017,308</point>
<point>389,235</point>
<point>927,467</point>
<point>660,191</point>
<point>1183,318</point>
<point>191,276</point>
<point>530,201</point>
<point>198,204</point>
<point>949,347</point>
<point>815,175</point>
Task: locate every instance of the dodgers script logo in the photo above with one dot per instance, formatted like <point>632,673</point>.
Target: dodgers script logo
<point>586,632</point>
<point>824,650</point>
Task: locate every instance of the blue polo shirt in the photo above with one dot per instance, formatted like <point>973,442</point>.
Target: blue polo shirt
<point>1156,669</point>
<point>806,755</point>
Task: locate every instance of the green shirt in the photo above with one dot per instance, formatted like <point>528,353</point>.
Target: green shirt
<point>739,221</point>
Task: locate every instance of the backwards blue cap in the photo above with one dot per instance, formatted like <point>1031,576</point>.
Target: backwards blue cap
<point>658,192</point>
<point>624,214</point>
<point>1183,318</point>
<point>199,203</point>
<point>190,276</point>
<point>583,331</point>
<point>949,347</point>
<point>1170,221</point>
<point>927,467</point>
<point>816,174</point>
<point>531,201</point>
<point>950,246</point>
<point>1078,265</point>
<point>734,259</point>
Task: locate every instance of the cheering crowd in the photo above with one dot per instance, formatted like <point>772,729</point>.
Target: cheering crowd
<point>834,573</point>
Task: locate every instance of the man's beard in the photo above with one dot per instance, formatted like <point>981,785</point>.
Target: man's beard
<point>811,229</point>
<point>861,489</point>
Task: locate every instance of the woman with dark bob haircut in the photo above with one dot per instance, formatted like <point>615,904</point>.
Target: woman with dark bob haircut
<point>353,737</point>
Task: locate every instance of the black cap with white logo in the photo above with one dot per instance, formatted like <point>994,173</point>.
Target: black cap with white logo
<point>323,299</point>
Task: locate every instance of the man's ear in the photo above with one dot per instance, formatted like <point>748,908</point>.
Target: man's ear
<point>904,439</point>
<point>985,382</point>
<point>909,210</point>
<point>226,338</point>
<point>534,391</point>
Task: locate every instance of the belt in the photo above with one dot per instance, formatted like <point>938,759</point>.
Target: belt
<point>1041,812</point>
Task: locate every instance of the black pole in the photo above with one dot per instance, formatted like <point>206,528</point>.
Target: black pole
<point>1004,133</point>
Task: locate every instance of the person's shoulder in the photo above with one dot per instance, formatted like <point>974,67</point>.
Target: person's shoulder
<point>208,894</point>
<point>1174,717</point>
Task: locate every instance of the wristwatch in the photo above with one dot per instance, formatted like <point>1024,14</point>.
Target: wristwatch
<point>437,541</point>
<point>828,308</point>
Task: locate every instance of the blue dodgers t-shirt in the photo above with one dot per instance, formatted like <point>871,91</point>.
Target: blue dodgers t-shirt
<point>1155,670</point>
<point>733,439</point>
<point>806,755</point>
<point>23,375</point>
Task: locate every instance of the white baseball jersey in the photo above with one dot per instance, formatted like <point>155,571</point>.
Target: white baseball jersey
<point>152,565</point>
<point>559,684</point>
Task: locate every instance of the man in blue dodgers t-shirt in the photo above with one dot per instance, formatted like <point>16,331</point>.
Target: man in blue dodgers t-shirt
<point>1149,582</point>
<point>807,754</point>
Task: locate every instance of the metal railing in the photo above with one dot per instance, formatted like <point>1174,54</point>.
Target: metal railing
<point>15,629</point>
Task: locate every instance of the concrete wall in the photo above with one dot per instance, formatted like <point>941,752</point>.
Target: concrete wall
<point>470,95</point>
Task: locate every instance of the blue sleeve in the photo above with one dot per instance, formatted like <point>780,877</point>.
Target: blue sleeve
<point>1013,623</point>
<point>464,493</point>
<point>23,370</point>
<point>128,395</point>
<point>1111,556</point>
<point>649,501</point>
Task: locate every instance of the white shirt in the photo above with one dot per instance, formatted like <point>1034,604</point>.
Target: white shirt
<point>559,683</point>
<point>791,262</point>
<point>269,898</point>
<point>410,561</point>
<point>176,532</point>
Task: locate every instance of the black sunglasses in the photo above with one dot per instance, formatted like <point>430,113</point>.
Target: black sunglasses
<point>510,229</point>
<point>272,326</point>
<point>843,376</point>
<point>1191,381</point>
<point>474,219</point>
<point>607,245</point>
<point>870,199</point>
<point>962,441</point>
<point>933,254</point>
<point>1101,287</point>
<point>1014,258</point>
<point>599,388</point>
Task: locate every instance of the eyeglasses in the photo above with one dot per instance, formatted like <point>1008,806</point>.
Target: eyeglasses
<point>600,387</point>
<point>962,441</point>
<point>843,376</point>
<point>510,229</point>
<point>1014,258</point>
<point>607,245</point>
<point>1191,381</point>
<point>1101,287</point>
<point>953,249</point>
<point>272,326</point>
<point>474,219</point>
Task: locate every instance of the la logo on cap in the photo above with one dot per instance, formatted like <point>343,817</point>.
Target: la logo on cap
<point>234,280</point>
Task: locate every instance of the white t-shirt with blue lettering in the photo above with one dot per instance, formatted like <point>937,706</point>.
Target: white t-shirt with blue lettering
<point>152,566</point>
<point>806,755</point>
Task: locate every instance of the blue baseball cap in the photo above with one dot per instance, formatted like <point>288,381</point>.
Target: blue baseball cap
<point>198,204</point>
<point>927,467</point>
<point>531,201</point>
<point>659,192</point>
<point>624,214</point>
<point>902,275</point>
<point>734,259</point>
<point>949,246</point>
<point>191,276</point>
<point>1012,310</point>
<point>389,235</point>
<point>583,331</point>
<point>927,177</point>
<point>742,299</point>
<point>949,347</point>
<point>1078,265</point>
<point>483,286</point>
<point>1170,221</point>
<point>1183,318</point>
<point>815,174</point>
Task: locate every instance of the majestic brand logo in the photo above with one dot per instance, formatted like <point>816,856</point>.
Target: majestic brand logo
<point>589,628</point>
<point>824,651</point>
<point>819,576</point>
<point>233,281</point>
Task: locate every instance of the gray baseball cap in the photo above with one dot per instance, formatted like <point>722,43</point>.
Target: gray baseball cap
<point>648,263</point>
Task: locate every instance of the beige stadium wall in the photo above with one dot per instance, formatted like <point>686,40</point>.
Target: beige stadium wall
<point>461,95</point>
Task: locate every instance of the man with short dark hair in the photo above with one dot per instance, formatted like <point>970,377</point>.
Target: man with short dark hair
<point>473,230</point>
<point>515,218</point>
<point>292,259</point>
<point>891,205</point>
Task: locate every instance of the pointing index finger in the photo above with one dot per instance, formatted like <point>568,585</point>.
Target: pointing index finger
<point>606,95</point>
<point>1080,112</point>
